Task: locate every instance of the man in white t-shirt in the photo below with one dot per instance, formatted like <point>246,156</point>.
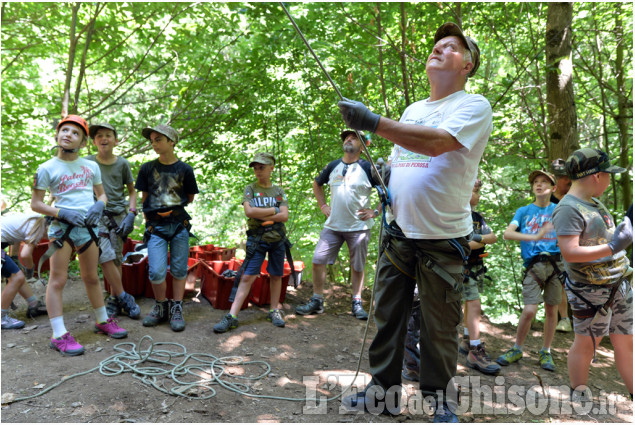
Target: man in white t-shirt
<point>438,145</point>
<point>349,219</point>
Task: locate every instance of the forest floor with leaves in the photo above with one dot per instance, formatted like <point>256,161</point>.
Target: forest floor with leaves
<point>312,355</point>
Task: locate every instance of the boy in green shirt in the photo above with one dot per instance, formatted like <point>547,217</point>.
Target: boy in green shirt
<point>266,209</point>
<point>116,223</point>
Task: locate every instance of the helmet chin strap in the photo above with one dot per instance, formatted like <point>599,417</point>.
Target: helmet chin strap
<point>64,149</point>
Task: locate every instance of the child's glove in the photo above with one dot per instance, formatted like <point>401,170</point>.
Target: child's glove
<point>357,116</point>
<point>94,213</point>
<point>126,225</point>
<point>71,216</point>
<point>622,237</point>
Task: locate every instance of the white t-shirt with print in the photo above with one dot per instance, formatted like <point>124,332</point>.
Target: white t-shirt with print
<point>70,182</point>
<point>431,196</point>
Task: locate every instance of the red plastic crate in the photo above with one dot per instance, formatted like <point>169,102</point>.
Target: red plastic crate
<point>199,250</point>
<point>260,290</point>
<point>192,267</point>
<point>226,254</point>
<point>216,288</point>
<point>130,245</point>
<point>133,277</point>
<point>208,256</point>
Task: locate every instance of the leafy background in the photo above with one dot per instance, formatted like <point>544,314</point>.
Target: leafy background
<point>235,78</point>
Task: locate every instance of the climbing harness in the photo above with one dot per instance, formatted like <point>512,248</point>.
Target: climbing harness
<point>167,215</point>
<point>59,243</point>
<point>253,246</point>
<point>551,259</point>
<point>112,226</point>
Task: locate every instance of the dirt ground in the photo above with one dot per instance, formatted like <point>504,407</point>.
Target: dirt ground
<point>316,348</point>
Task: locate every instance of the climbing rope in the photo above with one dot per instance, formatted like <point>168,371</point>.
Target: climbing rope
<point>192,375</point>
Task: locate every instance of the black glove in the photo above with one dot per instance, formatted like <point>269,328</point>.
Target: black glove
<point>622,237</point>
<point>94,213</point>
<point>71,216</point>
<point>126,225</point>
<point>357,116</point>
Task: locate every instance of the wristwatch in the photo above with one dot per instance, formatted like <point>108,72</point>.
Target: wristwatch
<point>277,210</point>
<point>376,213</point>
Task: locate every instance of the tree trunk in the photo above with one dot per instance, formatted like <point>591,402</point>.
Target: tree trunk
<point>381,62</point>
<point>458,14</point>
<point>71,61</point>
<point>622,116</point>
<point>404,68</point>
<point>82,65</point>
<point>562,117</point>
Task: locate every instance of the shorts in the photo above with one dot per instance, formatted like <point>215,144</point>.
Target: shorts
<point>472,287</point>
<point>111,245</point>
<point>618,321</point>
<point>79,235</point>
<point>532,293</point>
<point>275,264</point>
<point>9,268</point>
<point>158,253</point>
<point>331,241</point>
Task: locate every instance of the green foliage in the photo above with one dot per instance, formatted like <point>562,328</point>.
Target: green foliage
<point>235,78</point>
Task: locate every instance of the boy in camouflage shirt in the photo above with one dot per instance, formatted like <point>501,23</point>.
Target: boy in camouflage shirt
<point>595,258</point>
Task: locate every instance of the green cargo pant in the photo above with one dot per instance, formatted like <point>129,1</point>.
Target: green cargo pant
<point>401,266</point>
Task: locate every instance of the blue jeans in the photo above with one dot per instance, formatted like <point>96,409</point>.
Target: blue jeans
<point>158,254</point>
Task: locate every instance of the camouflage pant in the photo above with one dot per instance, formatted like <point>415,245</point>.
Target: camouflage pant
<point>472,287</point>
<point>619,320</point>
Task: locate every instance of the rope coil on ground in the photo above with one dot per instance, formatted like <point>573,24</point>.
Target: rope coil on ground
<point>130,358</point>
<point>207,369</point>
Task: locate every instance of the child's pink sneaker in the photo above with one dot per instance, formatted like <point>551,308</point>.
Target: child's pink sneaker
<point>110,328</point>
<point>67,345</point>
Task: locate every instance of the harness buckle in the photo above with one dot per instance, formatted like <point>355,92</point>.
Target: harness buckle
<point>59,243</point>
<point>603,311</point>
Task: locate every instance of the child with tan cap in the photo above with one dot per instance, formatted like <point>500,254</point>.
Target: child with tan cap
<point>267,210</point>
<point>532,226</point>
<point>167,185</point>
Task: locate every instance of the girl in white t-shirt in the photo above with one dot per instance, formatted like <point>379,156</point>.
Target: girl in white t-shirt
<point>72,181</point>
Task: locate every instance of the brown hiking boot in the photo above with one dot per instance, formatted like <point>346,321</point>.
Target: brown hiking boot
<point>478,359</point>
